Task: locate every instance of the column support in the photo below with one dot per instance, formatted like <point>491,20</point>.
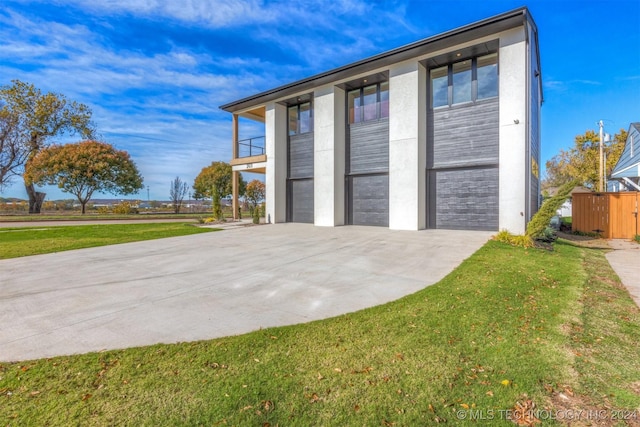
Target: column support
<point>234,175</point>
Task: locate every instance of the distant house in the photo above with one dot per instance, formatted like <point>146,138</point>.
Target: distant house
<point>626,174</point>
<point>440,133</point>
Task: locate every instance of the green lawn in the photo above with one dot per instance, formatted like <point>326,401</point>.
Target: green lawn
<point>23,241</point>
<point>509,325</point>
<point>93,216</point>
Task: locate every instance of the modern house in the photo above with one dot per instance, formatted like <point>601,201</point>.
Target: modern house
<point>626,174</point>
<point>440,133</point>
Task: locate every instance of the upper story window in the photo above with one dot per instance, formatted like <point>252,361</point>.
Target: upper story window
<point>368,103</point>
<point>300,119</point>
<point>465,81</point>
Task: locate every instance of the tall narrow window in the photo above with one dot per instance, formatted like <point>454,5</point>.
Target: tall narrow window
<point>384,99</point>
<point>300,119</point>
<point>293,120</point>
<point>354,106</point>
<point>487,76</point>
<point>370,102</point>
<point>462,81</point>
<point>304,118</point>
<point>440,87</point>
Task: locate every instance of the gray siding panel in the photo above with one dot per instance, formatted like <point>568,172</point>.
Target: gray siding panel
<point>369,200</point>
<point>626,159</point>
<point>369,147</point>
<point>301,155</point>
<point>464,199</point>
<point>301,200</point>
<point>464,135</point>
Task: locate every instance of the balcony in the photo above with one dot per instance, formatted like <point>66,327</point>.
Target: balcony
<point>249,154</point>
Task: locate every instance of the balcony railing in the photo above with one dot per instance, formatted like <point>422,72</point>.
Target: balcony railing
<point>251,147</point>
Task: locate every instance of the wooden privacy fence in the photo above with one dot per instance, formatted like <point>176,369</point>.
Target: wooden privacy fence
<point>614,215</point>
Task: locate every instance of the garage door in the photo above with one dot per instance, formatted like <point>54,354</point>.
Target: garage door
<point>463,199</point>
<point>369,200</point>
<point>301,202</point>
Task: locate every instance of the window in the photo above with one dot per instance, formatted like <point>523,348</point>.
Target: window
<point>487,72</point>
<point>353,98</point>
<point>384,99</point>
<point>462,82</point>
<point>466,81</point>
<point>300,119</point>
<point>440,87</point>
<point>368,103</point>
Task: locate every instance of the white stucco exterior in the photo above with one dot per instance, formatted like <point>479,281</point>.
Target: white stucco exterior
<point>329,124</point>
<point>407,146</point>
<point>276,172</point>
<point>513,131</point>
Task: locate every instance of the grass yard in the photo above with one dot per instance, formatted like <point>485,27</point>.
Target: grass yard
<point>95,217</point>
<point>508,327</point>
<point>23,241</point>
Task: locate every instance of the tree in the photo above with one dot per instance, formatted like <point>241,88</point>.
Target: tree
<point>38,118</point>
<point>12,151</point>
<point>254,193</point>
<point>214,181</point>
<point>582,161</point>
<point>178,190</point>
<point>84,168</point>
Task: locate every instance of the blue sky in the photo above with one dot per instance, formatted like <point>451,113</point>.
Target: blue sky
<point>155,72</point>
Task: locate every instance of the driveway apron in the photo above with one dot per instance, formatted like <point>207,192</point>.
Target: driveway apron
<point>213,285</point>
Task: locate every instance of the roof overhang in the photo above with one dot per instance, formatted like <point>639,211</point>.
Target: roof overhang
<point>496,24</point>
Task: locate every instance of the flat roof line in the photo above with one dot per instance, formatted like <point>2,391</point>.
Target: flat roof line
<point>381,58</point>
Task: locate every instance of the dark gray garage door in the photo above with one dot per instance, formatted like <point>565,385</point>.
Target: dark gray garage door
<point>301,200</point>
<point>463,199</point>
<point>369,200</point>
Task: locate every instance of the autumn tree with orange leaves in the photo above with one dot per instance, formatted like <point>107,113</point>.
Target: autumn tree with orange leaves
<point>83,168</point>
<point>30,120</point>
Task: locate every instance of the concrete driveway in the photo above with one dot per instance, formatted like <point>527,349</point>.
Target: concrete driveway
<point>212,285</point>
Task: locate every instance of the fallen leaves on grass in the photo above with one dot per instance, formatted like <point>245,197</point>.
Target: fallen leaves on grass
<point>524,413</point>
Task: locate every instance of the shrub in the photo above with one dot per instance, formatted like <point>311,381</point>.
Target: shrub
<point>540,221</point>
<point>521,240</point>
<point>125,208</point>
<point>256,215</point>
<point>637,238</point>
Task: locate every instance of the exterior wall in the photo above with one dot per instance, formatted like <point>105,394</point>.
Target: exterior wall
<point>301,156</point>
<point>627,165</point>
<point>368,147</point>
<point>329,159</point>
<point>407,146</point>
<point>513,192</point>
<point>276,173</point>
<point>464,135</point>
<point>535,96</point>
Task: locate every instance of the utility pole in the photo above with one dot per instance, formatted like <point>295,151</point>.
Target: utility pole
<point>601,124</point>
